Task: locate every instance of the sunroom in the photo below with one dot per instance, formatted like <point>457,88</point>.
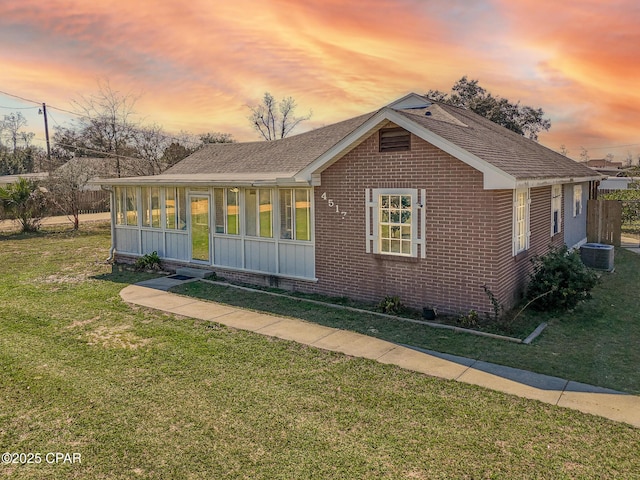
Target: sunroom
<point>255,228</point>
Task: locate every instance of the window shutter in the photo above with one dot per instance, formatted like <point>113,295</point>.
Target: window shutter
<point>370,206</point>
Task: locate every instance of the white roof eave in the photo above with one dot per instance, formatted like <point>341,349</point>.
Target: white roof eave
<point>494,178</point>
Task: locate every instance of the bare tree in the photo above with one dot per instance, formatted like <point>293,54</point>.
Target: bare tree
<point>563,150</point>
<point>107,121</point>
<point>12,125</point>
<point>273,120</point>
<point>67,183</point>
<point>584,155</point>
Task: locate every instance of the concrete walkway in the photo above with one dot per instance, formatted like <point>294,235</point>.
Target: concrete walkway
<point>594,400</point>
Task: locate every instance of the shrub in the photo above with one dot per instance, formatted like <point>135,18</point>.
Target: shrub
<point>559,280</point>
<point>149,261</point>
<point>391,305</point>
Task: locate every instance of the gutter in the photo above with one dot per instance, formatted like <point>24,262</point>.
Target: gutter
<point>112,248</point>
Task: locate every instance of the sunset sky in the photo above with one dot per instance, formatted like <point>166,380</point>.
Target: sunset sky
<point>197,65</point>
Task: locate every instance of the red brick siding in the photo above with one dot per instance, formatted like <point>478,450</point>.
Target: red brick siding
<point>461,229</point>
<point>513,272</point>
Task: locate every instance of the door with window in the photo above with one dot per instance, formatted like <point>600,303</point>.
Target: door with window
<point>199,216</point>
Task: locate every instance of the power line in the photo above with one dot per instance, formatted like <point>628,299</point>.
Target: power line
<point>164,136</point>
<point>19,108</point>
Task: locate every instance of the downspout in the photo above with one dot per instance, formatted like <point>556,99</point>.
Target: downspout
<point>112,200</point>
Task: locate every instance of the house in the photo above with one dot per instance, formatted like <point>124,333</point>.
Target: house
<point>419,199</point>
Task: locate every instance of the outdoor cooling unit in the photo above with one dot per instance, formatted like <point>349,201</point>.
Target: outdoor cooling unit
<point>597,255</point>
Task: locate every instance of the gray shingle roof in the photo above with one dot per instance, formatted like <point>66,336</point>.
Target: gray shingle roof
<point>462,132</point>
<point>285,156</point>
<point>510,152</point>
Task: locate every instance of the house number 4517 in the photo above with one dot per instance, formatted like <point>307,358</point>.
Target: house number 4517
<point>332,204</point>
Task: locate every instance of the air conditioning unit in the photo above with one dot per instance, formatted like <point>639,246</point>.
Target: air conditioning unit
<point>598,256</point>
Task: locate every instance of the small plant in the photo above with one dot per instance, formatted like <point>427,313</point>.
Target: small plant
<point>470,320</point>
<point>497,308</point>
<point>560,280</point>
<point>391,305</point>
<point>149,261</point>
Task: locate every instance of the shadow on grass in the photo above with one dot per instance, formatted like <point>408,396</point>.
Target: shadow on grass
<point>125,274</point>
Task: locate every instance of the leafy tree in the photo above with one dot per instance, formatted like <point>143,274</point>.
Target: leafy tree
<point>522,119</point>
<point>274,120</point>
<point>24,201</point>
<point>216,137</point>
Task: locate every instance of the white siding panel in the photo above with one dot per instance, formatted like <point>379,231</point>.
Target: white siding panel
<point>260,256</point>
<point>227,252</point>
<point>296,260</point>
<point>127,240</point>
<point>177,246</point>
<point>152,242</point>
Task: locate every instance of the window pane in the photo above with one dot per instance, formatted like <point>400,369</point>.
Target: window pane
<point>303,211</point>
<point>395,217</point>
<point>181,199</point>
<point>250,200</point>
<point>120,202</point>
<point>170,207</point>
<point>266,213</point>
<point>218,200</point>
<point>233,214</point>
<point>132,206</point>
<point>286,217</point>
<point>146,218</point>
<point>155,207</point>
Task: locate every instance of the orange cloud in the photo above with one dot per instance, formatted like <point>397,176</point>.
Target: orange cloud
<point>199,65</point>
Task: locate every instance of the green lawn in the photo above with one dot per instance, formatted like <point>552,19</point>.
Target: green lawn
<point>597,343</point>
<point>141,394</point>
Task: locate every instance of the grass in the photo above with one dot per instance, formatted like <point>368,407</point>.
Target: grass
<point>141,394</point>
<point>595,344</point>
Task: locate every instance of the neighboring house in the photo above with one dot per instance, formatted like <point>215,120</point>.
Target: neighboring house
<point>34,177</point>
<point>421,200</point>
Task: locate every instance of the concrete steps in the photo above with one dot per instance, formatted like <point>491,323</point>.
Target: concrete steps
<point>193,272</point>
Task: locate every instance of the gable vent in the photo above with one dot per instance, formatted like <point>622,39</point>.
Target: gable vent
<point>394,140</point>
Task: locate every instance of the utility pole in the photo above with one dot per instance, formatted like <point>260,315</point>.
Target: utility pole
<point>46,134</point>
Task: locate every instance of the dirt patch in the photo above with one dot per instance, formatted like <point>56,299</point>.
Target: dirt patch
<point>119,336</point>
<point>82,323</point>
<point>71,278</point>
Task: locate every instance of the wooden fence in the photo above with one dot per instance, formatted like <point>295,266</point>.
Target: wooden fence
<point>604,221</point>
<point>91,201</point>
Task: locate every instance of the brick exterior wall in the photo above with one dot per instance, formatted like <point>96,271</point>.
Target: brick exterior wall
<point>468,232</point>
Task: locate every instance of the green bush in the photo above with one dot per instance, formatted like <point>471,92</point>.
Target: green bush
<point>149,261</point>
<point>560,280</point>
<point>391,305</point>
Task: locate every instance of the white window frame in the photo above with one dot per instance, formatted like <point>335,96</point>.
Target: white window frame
<point>556,207</point>
<point>521,220</point>
<point>373,221</point>
<point>577,200</point>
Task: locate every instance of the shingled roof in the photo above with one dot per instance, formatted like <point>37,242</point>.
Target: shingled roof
<point>286,156</point>
<point>507,160</point>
